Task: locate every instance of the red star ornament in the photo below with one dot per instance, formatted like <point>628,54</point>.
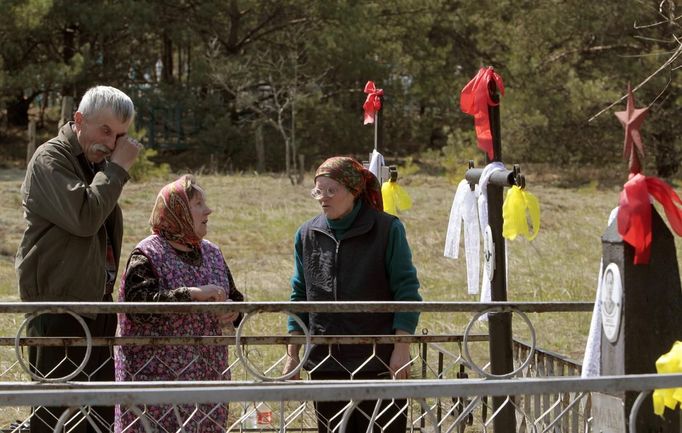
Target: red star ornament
<point>631,119</point>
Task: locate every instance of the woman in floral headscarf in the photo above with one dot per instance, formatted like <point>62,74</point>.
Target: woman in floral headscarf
<point>175,263</point>
<point>353,251</point>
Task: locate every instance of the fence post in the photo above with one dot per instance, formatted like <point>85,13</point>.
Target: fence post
<point>67,110</point>
<point>641,319</point>
<point>31,146</point>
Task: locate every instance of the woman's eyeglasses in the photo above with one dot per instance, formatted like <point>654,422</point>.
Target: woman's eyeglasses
<point>318,193</point>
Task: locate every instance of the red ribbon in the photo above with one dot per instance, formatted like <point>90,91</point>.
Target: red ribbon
<point>475,99</point>
<point>373,102</point>
<point>634,213</point>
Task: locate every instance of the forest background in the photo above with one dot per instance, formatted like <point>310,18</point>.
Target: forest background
<point>277,86</point>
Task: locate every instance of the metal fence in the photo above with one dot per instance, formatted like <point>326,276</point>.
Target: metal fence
<point>450,388</point>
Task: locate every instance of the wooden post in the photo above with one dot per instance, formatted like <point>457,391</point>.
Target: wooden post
<point>31,146</point>
<point>260,149</point>
<point>301,168</point>
<point>67,110</point>
<point>641,321</point>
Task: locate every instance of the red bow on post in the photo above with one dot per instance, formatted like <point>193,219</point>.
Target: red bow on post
<point>634,212</point>
<point>475,99</point>
<point>373,102</point>
<point>634,207</point>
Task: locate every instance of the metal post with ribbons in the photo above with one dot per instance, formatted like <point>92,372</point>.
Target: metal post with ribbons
<point>500,330</point>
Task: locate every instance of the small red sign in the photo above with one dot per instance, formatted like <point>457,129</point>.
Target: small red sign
<point>264,417</point>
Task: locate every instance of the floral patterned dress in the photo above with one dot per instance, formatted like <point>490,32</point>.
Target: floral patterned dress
<point>173,363</point>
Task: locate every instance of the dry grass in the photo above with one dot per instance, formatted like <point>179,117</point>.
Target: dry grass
<point>255,218</point>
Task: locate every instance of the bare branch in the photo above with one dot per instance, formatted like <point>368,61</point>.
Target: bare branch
<point>668,18</point>
<point>256,33</point>
<point>668,62</point>
<point>666,21</point>
<point>585,50</point>
<point>650,39</point>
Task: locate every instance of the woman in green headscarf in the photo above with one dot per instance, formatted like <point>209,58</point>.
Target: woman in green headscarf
<point>353,251</point>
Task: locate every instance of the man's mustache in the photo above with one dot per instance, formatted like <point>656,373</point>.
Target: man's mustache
<point>101,148</point>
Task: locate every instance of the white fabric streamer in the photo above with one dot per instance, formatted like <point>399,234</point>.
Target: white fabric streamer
<point>483,218</point>
<point>375,164</point>
<point>464,207</point>
<point>592,357</point>
<point>464,210</point>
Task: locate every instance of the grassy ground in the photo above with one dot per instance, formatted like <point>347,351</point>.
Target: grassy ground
<point>255,218</point>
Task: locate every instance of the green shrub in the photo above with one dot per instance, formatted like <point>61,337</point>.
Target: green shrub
<point>408,167</point>
<point>144,168</point>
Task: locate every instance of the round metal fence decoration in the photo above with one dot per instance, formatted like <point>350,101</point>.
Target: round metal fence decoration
<point>64,418</point>
<point>489,253</point>
<point>66,415</point>
<point>479,370</point>
<point>350,407</point>
<point>78,370</point>
<point>634,411</point>
<point>428,413</point>
<point>247,364</point>
<point>143,418</point>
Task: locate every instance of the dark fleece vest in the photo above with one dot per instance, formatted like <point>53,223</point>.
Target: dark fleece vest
<point>350,269</point>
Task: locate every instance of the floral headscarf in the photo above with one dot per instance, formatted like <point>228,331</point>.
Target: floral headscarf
<point>359,181</point>
<point>171,217</point>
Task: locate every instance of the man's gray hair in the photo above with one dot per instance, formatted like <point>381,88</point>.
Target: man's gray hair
<point>99,98</point>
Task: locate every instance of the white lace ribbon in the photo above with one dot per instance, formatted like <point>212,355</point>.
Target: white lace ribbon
<point>592,357</point>
<point>483,218</point>
<point>375,164</point>
<point>464,210</point>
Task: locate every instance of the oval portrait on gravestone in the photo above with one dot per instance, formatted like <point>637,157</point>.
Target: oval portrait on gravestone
<point>611,299</point>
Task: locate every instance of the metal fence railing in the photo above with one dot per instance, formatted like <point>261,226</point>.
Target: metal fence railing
<point>445,392</point>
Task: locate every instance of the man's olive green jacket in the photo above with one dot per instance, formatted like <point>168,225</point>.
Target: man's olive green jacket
<point>68,209</point>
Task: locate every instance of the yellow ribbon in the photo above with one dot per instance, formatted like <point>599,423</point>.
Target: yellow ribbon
<point>395,198</point>
<point>514,214</point>
<point>668,363</point>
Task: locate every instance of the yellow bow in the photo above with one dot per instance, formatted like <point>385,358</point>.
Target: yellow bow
<point>514,214</point>
<point>395,198</point>
<point>670,362</point>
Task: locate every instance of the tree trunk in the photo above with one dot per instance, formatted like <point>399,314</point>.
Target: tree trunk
<point>235,21</point>
<point>294,151</point>
<point>17,110</point>
<point>667,158</point>
<point>167,59</point>
<point>68,43</point>
<point>260,149</point>
<point>68,88</point>
<point>287,159</point>
<point>189,63</point>
<point>43,106</point>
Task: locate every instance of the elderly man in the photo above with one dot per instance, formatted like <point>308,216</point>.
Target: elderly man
<point>72,243</point>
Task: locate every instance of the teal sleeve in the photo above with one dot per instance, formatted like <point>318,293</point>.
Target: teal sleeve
<point>298,292</point>
<point>402,276</point>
